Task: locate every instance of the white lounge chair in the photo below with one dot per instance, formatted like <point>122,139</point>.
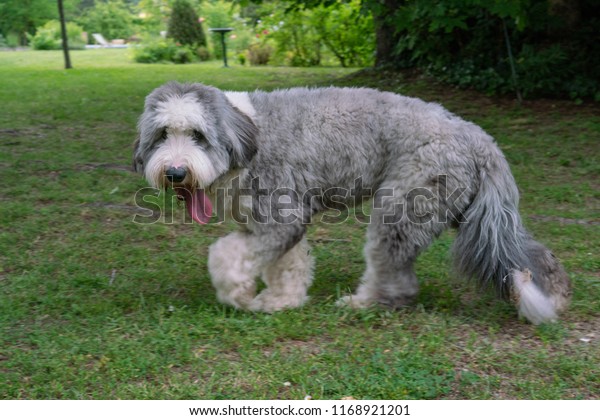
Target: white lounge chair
<point>105,44</point>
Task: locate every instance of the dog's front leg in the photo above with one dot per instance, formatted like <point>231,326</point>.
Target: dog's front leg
<point>277,253</point>
<point>234,267</point>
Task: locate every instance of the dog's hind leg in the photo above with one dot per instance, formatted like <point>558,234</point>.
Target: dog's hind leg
<point>399,230</point>
<point>287,280</point>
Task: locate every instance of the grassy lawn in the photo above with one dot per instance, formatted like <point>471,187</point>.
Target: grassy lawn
<point>93,305</point>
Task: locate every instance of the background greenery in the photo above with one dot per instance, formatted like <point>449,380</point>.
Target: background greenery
<point>93,305</point>
<point>532,48</point>
<point>336,33</point>
<point>464,42</point>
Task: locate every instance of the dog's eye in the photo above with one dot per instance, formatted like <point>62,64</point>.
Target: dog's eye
<point>164,134</point>
<point>198,136</point>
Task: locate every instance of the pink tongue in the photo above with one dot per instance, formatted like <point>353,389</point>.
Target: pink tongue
<point>198,205</point>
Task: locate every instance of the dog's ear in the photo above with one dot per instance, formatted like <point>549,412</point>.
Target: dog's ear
<point>137,164</point>
<point>242,133</point>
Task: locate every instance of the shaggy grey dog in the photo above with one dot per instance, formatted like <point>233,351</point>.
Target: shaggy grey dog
<point>272,161</point>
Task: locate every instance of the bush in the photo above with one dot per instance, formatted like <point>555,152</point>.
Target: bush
<point>202,53</point>
<point>48,37</point>
<point>464,42</point>
<point>112,19</point>
<point>347,32</point>
<point>182,55</point>
<point>45,39</point>
<point>259,54</point>
<point>184,25</point>
<point>297,42</point>
<point>336,30</point>
<point>162,50</point>
<point>11,40</point>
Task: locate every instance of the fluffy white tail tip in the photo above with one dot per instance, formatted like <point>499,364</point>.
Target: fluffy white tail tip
<point>531,302</point>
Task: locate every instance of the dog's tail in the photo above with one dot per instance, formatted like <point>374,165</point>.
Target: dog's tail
<point>493,246</point>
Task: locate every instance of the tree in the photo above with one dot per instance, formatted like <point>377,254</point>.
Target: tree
<point>111,18</point>
<point>184,25</point>
<point>386,35</point>
<point>63,32</point>
<point>22,17</point>
<point>536,47</point>
<point>346,31</point>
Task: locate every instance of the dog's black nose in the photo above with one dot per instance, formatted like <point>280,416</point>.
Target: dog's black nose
<point>176,174</point>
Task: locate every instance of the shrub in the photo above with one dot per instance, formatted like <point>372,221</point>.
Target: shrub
<point>347,32</point>
<point>336,30</point>
<point>184,25</point>
<point>45,39</point>
<point>48,37</point>
<point>11,40</point>
<point>464,42</point>
<point>259,54</point>
<point>202,53</point>
<point>297,42</point>
<point>162,50</point>
<point>182,55</point>
<point>112,19</point>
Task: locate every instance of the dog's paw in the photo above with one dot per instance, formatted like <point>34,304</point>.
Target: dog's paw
<point>355,302</point>
<point>240,297</point>
<point>269,302</point>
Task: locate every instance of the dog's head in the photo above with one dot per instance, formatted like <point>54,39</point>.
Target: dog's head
<point>188,136</point>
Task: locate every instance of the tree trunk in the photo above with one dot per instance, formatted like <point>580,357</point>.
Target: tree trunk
<point>63,30</point>
<point>385,31</point>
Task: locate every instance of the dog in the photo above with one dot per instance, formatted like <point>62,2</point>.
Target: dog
<point>274,160</point>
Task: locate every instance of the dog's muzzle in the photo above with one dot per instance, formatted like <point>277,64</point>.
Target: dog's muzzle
<point>197,203</point>
<point>176,175</point>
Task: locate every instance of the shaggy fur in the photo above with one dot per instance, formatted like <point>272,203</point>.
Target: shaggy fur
<point>279,158</point>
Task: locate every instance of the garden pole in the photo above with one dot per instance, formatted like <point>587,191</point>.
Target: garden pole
<point>63,31</point>
<point>512,63</point>
<point>224,47</point>
<point>222,31</point>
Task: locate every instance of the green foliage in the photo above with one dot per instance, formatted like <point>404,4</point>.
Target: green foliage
<point>202,53</point>
<point>21,18</point>
<point>161,50</point>
<point>154,15</point>
<point>112,19</point>
<point>463,42</point>
<point>259,54</point>
<point>346,32</point>
<point>297,42</point>
<point>338,31</point>
<point>48,37</point>
<point>185,26</point>
<point>227,14</point>
<point>217,15</point>
<point>9,41</point>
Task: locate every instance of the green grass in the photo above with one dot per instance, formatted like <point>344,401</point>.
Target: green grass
<point>93,305</point>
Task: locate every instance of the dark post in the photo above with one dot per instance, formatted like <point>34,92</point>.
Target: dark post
<point>224,46</point>
<point>512,63</point>
<point>222,31</point>
<point>63,30</point>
